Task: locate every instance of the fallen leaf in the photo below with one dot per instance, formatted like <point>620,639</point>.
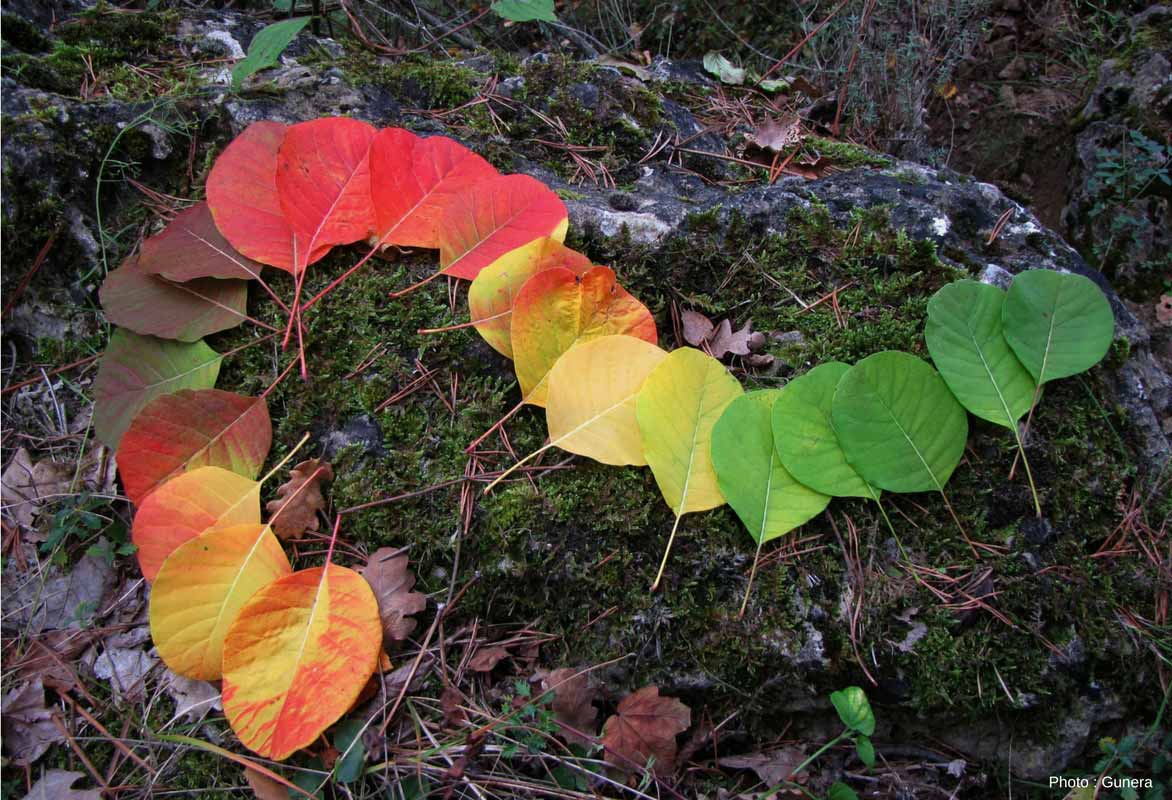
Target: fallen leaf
<point>194,699</point>
<point>28,725</point>
<point>725,341</point>
<point>35,602</point>
<point>573,703</point>
<point>386,572</point>
<point>191,247</point>
<point>486,658</point>
<point>642,73</point>
<point>299,499</point>
<point>50,655</point>
<point>697,327</point>
<point>26,486</point>
<point>779,134</point>
<point>55,785</point>
<point>645,728</point>
<point>722,68</point>
<point>771,767</point>
<point>450,700</point>
<point>123,668</point>
<point>264,787</point>
<point>1164,310</point>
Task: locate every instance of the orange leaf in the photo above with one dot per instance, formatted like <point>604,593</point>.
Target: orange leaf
<point>386,572</point>
<point>494,217</point>
<point>242,194</point>
<point>200,589</point>
<point>645,728</point>
<point>412,181</point>
<point>323,183</point>
<point>299,499</point>
<point>556,308</point>
<point>187,429</point>
<point>297,656</point>
<point>186,506</point>
<point>491,296</point>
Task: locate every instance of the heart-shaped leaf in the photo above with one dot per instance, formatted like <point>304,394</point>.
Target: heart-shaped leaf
<point>413,180</point>
<point>187,429</point>
<point>136,369</point>
<point>963,334</point>
<point>494,217</point>
<point>556,308</point>
<point>297,656</point>
<point>202,586</point>
<point>153,306</point>
<point>243,198</point>
<point>769,501</point>
<point>804,436</point>
<point>1059,324</point>
<point>495,289</point>
<point>187,506</point>
<point>323,183</point>
<point>898,423</point>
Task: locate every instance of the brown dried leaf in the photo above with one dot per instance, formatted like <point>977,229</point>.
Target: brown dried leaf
<point>299,499</point>
<point>49,657</point>
<point>697,327</point>
<point>28,725</point>
<point>486,658</point>
<point>779,134</point>
<point>450,700</point>
<point>264,787</point>
<point>386,572</point>
<point>725,340</point>
<point>25,486</point>
<point>772,768</point>
<point>55,785</point>
<point>645,728</point>
<point>573,703</point>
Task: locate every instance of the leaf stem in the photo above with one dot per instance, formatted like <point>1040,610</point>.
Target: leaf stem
<point>495,425</point>
<point>1029,473</point>
<point>666,552</point>
<point>514,468</point>
<point>285,460</point>
<point>752,574</point>
<point>418,285</point>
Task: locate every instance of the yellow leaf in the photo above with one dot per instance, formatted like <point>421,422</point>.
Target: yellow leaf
<point>201,588</point>
<point>297,656</point>
<point>679,403</point>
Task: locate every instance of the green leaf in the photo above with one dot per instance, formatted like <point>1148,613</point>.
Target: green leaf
<point>722,68</point>
<point>1059,324</point>
<point>840,791</point>
<point>769,501</point>
<point>964,337</point>
<point>899,425</point>
<point>773,85</point>
<point>865,751</point>
<point>854,710</point>
<point>348,742</point>
<point>415,787</point>
<point>136,369</point>
<point>525,10</point>
<point>266,48</point>
<point>805,439</point>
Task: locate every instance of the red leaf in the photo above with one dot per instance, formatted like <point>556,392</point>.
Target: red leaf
<point>323,182</point>
<point>493,218</point>
<point>181,431</point>
<point>191,247</point>
<point>154,306</point>
<point>242,195</point>
<point>412,181</point>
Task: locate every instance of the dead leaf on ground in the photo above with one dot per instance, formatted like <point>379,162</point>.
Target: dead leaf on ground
<point>50,600</point>
<point>124,668</point>
<point>642,73</point>
<point>26,486</point>
<point>485,658</point>
<point>721,340</point>
<point>573,702</point>
<point>194,699</point>
<point>386,572</point>
<point>779,134</point>
<point>264,787</point>
<point>772,767</point>
<point>28,725</point>
<point>299,499</point>
<point>1164,310</point>
<point>55,785</point>
<point>697,327</point>
<point>645,728</point>
<point>49,657</point>
<point>450,700</point>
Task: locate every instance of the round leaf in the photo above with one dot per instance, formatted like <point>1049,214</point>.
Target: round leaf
<point>898,423</point>
<point>769,501</point>
<point>136,369</point>
<point>201,587</point>
<point>854,709</point>
<point>557,308</point>
<point>188,505</point>
<point>590,409</point>
<point>297,656</point>
<point>964,337</point>
<point>184,430</point>
<point>804,436</point>
<point>1059,324</point>
<point>679,403</point>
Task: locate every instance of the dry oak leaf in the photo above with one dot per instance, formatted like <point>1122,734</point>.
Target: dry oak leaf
<point>697,327</point>
<point>486,658</point>
<point>573,702</point>
<point>645,728</point>
<point>28,725</point>
<point>299,499</point>
<point>386,572</point>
